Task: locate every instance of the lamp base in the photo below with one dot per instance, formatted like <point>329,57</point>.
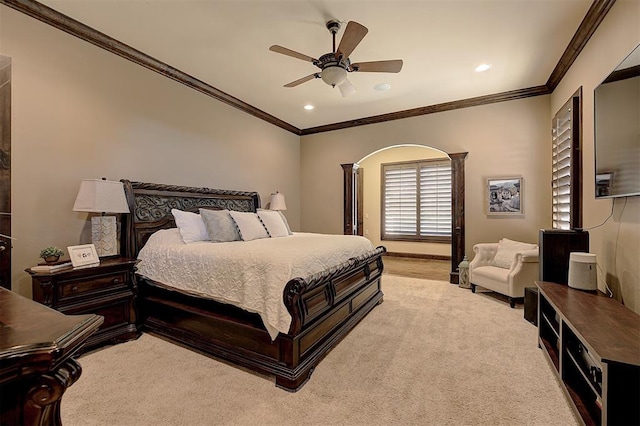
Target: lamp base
<point>104,235</point>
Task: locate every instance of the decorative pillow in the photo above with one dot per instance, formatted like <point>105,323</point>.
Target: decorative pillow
<point>190,225</point>
<point>284,219</point>
<point>249,225</point>
<point>220,227</point>
<point>507,250</point>
<point>272,220</point>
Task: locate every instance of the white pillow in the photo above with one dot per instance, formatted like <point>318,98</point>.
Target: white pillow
<point>272,220</point>
<point>249,225</point>
<point>507,250</point>
<point>220,226</point>
<point>284,219</point>
<point>191,226</point>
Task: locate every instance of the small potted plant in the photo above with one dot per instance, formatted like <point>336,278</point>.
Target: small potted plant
<point>51,254</point>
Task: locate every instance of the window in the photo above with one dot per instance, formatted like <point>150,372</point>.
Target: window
<point>566,182</point>
<point>416,201</point>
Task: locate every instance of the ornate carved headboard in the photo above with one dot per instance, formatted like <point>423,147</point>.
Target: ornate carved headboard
<point>150,207</point>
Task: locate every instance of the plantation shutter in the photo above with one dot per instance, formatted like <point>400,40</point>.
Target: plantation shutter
<point>561,168</point>
<point>435,198</point>
<point>566,182</point>
<point>400,200</point>
<point>416,201</point>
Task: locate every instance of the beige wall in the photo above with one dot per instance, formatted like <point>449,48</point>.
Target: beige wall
<point>503,139</point>
<point>81,112</point>
<point>372,207</point>
<point>617,243</point>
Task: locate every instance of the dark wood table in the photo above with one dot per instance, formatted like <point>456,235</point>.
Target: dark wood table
<point>593,343</point>
<point>36,365</point>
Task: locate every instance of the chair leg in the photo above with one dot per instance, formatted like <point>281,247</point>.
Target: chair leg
<point>473,288</point>
<point>514,300</point>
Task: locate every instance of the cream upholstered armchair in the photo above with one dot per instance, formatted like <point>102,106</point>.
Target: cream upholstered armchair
<point>506,267</point>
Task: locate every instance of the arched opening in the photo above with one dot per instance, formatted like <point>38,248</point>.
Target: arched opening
<point>363,202</point>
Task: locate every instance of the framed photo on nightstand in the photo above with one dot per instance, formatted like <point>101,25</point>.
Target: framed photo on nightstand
<point>83,255</point>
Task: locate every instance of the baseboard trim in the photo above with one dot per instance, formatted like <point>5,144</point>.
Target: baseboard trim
<point>418,256</point>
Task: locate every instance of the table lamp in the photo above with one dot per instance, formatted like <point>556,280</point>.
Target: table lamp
<point>102,196</point>
<point>277,202</point>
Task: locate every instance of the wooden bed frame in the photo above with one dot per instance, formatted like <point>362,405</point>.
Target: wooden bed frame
<point>324,307</point>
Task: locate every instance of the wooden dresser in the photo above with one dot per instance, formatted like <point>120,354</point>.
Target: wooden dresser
<point>36,365</point>
<point>106,290</point>
<point>593,343</point>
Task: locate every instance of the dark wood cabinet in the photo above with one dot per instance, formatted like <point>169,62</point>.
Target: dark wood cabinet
<point>36,365</point>
<point>107,290</point>
<point>556,245</point>
<point>593,343</point>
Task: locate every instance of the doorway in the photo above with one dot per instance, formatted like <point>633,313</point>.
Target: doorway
<point>362,212</point>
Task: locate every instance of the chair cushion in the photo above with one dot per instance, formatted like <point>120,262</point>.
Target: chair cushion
<point>492,273</point>
<point>507,250</point>
<point>491,278</point>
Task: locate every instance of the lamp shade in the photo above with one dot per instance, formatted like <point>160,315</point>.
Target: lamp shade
<point>277,202</point>
<point>101,196</point>
<point>334,75</point>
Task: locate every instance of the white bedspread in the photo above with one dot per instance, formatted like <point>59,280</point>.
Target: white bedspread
<point>248,274</point>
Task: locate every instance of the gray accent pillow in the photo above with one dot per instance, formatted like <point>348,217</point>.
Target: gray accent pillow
<point>220,225</point>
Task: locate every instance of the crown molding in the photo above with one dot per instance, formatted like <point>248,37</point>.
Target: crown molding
<point>588,26</point>
<point>77,29</point>
<point>432,109</point>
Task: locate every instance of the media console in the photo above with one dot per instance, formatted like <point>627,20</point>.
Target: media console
<point>593,343</point>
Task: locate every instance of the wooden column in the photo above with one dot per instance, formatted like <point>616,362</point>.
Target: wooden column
<point>5,172</point>
<point>348,198</point>
<point>457,210</point>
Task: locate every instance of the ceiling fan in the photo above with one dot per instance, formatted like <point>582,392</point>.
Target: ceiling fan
<point>335,65</point>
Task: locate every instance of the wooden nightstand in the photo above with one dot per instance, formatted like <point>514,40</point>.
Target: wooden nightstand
<point>107,290</point>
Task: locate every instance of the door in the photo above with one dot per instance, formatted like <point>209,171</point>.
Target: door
<point>353,187</point>
<point>5,172</point>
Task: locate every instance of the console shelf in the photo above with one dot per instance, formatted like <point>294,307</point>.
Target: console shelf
<point>593,343</point>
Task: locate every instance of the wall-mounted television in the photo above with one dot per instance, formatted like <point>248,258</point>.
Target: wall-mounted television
<point>617,130</point>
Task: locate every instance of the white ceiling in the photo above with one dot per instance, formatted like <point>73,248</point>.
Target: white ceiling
<point>225,43</point>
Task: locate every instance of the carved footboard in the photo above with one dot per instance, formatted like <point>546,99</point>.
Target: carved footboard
<point>308,299</point>
<point>324,308</point>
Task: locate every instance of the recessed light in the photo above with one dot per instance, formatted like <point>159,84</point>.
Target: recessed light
<point>482,67</point>
<point>309,107</point>
<point>382,87</point>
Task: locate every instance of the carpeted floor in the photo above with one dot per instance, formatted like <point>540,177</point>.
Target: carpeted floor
<point>431,354</point>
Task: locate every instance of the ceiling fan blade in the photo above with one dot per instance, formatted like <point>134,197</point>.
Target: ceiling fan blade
<point>346,88</point>
<point>302,80</point>
<point>353,35</point>
<point>394,65</point>
<point>292,53</point>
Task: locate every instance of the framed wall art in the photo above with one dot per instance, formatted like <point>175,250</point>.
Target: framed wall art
<point>84,255</point>
<point>504,196</point>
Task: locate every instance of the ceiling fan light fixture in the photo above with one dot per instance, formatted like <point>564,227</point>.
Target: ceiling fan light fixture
<point>334,75</point>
